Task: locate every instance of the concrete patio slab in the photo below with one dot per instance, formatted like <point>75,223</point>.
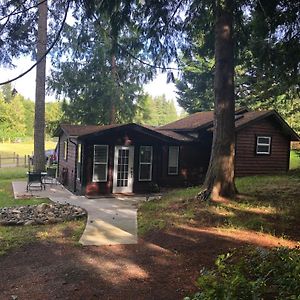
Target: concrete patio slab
<point>111,221</point>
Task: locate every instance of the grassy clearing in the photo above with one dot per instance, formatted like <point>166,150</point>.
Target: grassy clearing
<point>6,193</point>
<point>7,149</point>
<point>295,159</point>
<point>14,237</point>
<point>268,204</point>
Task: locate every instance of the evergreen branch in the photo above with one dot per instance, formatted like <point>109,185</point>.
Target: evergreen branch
<point>132,55</point>
<point>14,12</point>
<point>3,26</point>
<point>47,51</point>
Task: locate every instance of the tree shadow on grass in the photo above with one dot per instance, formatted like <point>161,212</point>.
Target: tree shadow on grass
<point>164,265</point>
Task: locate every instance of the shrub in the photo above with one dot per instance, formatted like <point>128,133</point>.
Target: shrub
<point>256,274</point>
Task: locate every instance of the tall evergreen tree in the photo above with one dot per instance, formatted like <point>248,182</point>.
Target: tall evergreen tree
<point>39,116</point>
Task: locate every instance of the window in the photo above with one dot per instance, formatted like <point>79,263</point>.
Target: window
<point>66,150</point>
<point>79,147</point>
<point>173,160</point>
<point>263,145</point>
<point>145,167</point>
<point>100,163</point>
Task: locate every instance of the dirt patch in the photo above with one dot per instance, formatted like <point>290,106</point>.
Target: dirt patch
<point>164,265</point>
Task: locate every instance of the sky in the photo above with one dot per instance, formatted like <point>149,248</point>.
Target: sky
<point>26,85</point>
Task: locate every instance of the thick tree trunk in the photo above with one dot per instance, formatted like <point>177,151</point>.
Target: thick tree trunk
<point>219,181</point>
<point>112,119</point>
<point>39,119</point>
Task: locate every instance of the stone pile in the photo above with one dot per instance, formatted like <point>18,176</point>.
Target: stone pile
<point>40,214</point>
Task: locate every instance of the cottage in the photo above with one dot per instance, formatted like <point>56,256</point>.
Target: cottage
<point>131,158</point>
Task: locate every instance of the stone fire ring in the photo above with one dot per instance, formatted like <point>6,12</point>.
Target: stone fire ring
<point>45,213</point>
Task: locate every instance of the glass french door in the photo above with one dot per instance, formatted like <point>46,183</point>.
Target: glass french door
<point>123,169</point>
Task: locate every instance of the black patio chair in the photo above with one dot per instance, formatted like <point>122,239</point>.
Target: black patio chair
<point>35,179</point>
<point>50,177</point>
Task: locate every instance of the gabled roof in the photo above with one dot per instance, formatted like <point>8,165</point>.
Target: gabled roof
<point>86,131</point>
<point>191,122</point>
<point>178,131</point>
<point>79,130</point>
<point>243,118</point>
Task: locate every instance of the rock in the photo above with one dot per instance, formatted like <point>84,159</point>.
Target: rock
<point>39,214</point>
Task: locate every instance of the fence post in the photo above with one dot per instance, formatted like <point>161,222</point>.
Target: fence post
<point>17,160</point>
<point>24,161</point>
<point>14,157</point>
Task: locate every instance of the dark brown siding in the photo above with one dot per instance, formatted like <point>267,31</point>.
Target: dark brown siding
<point>67,167</point>
<point>127,138</point>
<point>193,163</point>
<point>250,163</point>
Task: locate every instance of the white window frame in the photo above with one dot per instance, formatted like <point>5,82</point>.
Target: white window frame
<point>145,163</point>
<point>177,164</point>
<point>66,146</point>
<point>100,163</point>
<point>79,161</point>
<point>263,144</point>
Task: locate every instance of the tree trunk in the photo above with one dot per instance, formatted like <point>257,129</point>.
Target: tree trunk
<point>39,118</point>
<point>219,181</point>
<point>112,118</point>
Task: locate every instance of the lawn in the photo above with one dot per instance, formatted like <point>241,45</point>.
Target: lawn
<point>22,149</point>
<point>295,159</point>
<point>264,216</point>
<point>267,204</point>
<point>14,237</point>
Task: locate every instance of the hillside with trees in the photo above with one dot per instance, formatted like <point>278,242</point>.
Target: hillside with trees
<point>17,114</point>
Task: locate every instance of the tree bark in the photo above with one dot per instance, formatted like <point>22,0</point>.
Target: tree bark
<point>39,118</point>
<point>219,181</point>
<point>112,119</point>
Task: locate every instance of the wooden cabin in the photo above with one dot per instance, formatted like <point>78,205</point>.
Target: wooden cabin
<point>131,158</point>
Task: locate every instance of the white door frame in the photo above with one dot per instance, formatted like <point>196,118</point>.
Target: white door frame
<point>129,187</point>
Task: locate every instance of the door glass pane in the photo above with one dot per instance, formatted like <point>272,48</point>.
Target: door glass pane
<point>122,174</point>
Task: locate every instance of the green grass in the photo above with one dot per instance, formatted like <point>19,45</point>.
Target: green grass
<point>14,237</point>
<point>7,149</point>
<point>7,175</point>
<point>295,159</point>
<point>268,204</point>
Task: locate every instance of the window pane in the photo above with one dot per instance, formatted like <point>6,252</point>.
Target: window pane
<point>263,149</point>
<point>99,172</point>
<point>65,150</point>
<point>173,160</point>
<point>79,153</point>
<point>145,154</point>
<point>263,140</point>
<point>173,170</point>
<point>100,154</point>
<point>145,171</point>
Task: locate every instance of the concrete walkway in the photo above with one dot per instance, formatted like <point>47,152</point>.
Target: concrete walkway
<point>111,221</point>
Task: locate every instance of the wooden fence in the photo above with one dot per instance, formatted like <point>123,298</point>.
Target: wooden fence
<point>15,160</point>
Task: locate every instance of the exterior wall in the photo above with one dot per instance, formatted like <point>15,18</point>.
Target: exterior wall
<point>121,138</point>
<point>67,170</point>
<point>193,164</point>
<point>247,162</point>
<point>191,168</point>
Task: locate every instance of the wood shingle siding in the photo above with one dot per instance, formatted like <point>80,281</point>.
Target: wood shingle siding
<point>67,167</point>
<point>247,162</point>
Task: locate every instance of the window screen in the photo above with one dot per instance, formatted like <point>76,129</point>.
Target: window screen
<point>100,163</point>
<point>145,167</point>
<point>263,145</point>
<point>173,160</point>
